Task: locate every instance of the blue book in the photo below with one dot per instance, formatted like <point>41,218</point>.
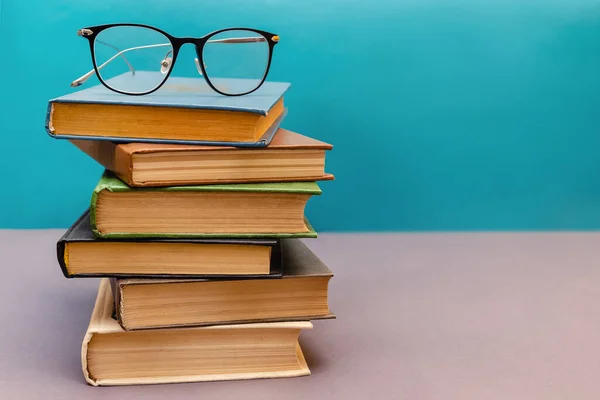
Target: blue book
<point>182,111</point>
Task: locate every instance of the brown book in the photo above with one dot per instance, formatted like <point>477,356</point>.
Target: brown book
<point>289,157</point>
<point>111,356</point>
<point>301,294</point>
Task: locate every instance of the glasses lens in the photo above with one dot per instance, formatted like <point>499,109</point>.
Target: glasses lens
<point>239,54</point>
<point>132,59</point>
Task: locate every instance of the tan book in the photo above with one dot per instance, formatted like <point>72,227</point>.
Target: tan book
<point>111,356</point>
<point>289,157</point>
<point>300,294</point>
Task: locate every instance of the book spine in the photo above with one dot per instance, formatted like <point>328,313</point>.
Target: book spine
<point>84,364</point>
<point>102,307</point>
<point>276,258</point>
<point>62,253</point>
<point>49,112</point>
<point>62,256</point>
<point>116,289</point>
<point>99,188</point>
<point>123,165</point>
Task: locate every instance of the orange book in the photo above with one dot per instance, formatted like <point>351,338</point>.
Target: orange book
<point>289,157</point>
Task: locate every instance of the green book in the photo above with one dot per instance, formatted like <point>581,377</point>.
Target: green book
<point>270,210</point>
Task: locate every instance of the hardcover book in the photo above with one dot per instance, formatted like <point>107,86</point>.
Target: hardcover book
<point>289,157</point>
<point>111,356</point>
<point>184,110</point>
<point>269,210</point>
<point>81,254</point>
<point>301,294</point>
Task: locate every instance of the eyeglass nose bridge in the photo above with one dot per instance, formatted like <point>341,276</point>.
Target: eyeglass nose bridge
<point>177,43</point>
<point>167,63</point>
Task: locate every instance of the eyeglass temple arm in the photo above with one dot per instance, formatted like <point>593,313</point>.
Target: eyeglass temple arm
<point>82,79</point>
<point>122,55</point>
<point>239,40</point>
<point>85,77</point>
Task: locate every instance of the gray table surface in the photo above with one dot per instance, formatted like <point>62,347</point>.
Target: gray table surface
<point>420,316</point>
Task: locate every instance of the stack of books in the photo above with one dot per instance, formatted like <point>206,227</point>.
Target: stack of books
<point>194,229</point>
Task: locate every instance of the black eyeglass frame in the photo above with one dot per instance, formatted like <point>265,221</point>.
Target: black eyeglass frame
<point>91,32</point>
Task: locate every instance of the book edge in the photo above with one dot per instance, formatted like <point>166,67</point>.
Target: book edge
<point>310,234</point>
<point>240,322</point>
<point>110,181</point>
<point>318,145</point>
<point>157,184</point>
<point>302,370</point>
<point>262,142</point>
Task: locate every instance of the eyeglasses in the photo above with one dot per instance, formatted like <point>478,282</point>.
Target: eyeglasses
<point>137,59</point>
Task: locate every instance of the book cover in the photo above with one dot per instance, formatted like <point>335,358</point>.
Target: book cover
<point>81,231</point>
<point>185,93</point>
<point>111,183</point>
<point>179,93</point>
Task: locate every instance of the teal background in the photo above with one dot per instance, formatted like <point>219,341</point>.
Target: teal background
<point>445,115</point>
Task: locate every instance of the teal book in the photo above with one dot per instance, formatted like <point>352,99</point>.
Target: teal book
<point>182,111</point>
<point>257,210</point>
